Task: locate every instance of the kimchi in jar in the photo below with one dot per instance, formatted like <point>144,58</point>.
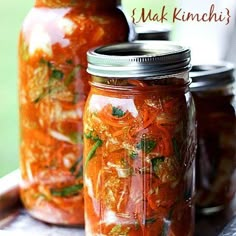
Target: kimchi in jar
<point>139,141</point>
<point>53,86</point>
<point>214,94</point>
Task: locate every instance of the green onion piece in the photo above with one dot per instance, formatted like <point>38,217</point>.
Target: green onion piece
<point>57,74</point>
<point>69,61</point>
<point>76,137</point>
<point>92,152</point>
<point>91,136</point>
<point>156,163</point>
<point>76,98</point>
<point>117,112</point>
<point>40,97</point>
<point>150,221</point>
<point>146,145</point>
<point>72,75</point>
<point>67,191</point>
<point>133,155</point>
<point>117,230</point>
<point>176,149</point>
<point>74,166</point>
<point>45,93</point>
<point>80,172</point>
<point>77,173</point>
<point>45,62</point>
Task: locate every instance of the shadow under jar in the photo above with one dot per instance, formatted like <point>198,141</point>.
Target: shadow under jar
<point>139,141</point>
<point>53,86</point>
<point>214,95</point>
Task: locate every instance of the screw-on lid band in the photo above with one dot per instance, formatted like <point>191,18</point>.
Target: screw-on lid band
<point>138,59</point>
<point>210,76</point>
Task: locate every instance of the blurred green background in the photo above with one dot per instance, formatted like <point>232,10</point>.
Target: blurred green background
<point>213,39</point>
<point>12,14</point>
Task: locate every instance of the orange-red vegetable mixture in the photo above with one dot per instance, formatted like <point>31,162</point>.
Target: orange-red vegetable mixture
<point>216,155</point>
<point>139,144</point>
<point>53,86</point>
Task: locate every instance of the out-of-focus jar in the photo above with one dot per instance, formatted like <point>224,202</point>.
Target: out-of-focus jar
<point>139,141</point>
<point>152,31</point>
<point>53,86</point>
<point>214,94</point>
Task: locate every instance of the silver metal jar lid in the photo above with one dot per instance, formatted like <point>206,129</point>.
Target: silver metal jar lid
<point>211,76</point>
<point>138,59</point>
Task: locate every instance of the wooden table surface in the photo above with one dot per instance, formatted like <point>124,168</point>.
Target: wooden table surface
<point>15,221</point>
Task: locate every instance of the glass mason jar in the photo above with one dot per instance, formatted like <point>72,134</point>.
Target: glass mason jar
<point>153,31</point>
<point>214,94</point>
<point>53,86</point>
<point>139,141</point>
